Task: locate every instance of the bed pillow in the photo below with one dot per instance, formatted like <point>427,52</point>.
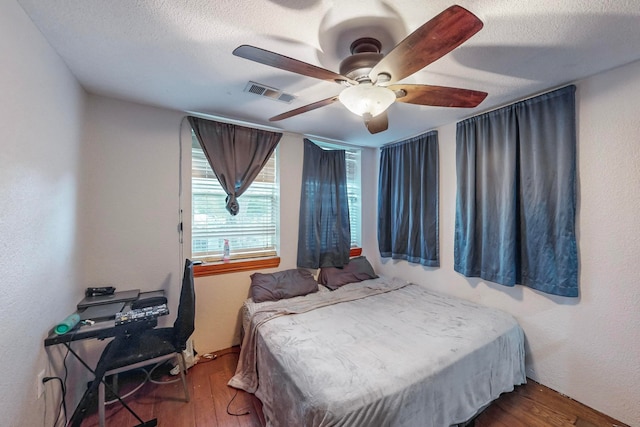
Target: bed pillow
<point>357,270</point>
<point>282,284</point>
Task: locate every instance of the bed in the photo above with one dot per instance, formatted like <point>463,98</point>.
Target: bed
<point>377,352</point>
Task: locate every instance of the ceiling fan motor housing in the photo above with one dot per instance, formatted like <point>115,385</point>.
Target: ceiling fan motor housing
<point>365,55</point>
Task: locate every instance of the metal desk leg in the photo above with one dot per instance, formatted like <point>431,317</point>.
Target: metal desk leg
<point>101,369</point>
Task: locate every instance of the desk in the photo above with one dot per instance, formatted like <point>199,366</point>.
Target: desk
<point>100,330</point>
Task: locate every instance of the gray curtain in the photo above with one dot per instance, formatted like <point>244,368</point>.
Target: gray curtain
<point>236,154</point>
<point>324,235</point>
<point>408,200</point>
<point>515,208</point>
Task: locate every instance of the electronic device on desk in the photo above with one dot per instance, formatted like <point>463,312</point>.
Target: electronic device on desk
<point>121,296</point>
<point>101,311</point>
<point>141,314</point>
<point>103,290</point>
<point>149,299</point>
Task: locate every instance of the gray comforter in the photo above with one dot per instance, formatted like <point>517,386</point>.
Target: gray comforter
<point>381,352</point>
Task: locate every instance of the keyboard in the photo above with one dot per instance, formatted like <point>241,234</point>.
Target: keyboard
<point>141,314</point>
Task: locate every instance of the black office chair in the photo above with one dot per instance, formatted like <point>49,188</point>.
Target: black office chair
<point>146,347</point>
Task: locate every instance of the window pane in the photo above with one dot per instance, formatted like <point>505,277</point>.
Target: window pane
<point>251,233</point>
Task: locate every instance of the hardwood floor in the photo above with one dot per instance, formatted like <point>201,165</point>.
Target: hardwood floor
<point>210,396</point>
<point>534,405</point>
<point>530,405</point>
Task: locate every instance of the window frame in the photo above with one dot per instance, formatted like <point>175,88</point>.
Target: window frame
<point>252,261</point>
<point>354,186</point>
<point>252,264</point>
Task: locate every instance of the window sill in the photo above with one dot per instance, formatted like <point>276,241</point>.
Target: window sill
<point>212,269</point>
<point>235,266</point>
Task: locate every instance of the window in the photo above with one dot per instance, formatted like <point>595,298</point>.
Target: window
<point>352,156</point>
<point>252,233</point>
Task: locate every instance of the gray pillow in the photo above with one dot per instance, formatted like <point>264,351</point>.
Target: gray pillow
<point>282,284</point>
<point>357,270</point>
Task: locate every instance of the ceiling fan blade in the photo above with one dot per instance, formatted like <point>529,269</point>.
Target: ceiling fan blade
<point>438,96</point>
<point>431,41</point>
<point>378,123</point>
<point>304,109</point>
<point>276,60</point>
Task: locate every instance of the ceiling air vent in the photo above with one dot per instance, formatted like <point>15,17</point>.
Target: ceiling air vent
<point>269,92</point>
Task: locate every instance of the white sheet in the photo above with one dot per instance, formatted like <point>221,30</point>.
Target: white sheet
<point>378,353</point>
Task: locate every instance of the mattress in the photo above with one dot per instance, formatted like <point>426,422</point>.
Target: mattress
<point>381,352</point>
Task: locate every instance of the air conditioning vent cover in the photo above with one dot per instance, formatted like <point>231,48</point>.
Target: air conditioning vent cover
<point>268,92</point>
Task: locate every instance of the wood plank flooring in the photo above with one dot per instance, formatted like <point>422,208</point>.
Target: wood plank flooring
<point>530,405</point>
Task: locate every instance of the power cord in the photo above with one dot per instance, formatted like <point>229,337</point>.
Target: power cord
<point>229,404</point>
<point>63,405</point>
<point>63,381</point>
<point>211,358</point>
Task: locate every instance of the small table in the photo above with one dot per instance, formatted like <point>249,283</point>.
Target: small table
<point>101,329</point>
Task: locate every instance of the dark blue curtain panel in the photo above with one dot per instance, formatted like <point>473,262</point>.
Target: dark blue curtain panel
<point>408,200</point>
<point>516,195</point>
<point>324,234</point>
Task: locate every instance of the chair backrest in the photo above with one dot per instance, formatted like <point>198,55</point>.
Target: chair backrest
<point>185,321</point>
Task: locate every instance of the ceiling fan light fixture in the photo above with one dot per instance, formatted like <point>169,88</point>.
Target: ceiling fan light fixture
<point>367,99</point>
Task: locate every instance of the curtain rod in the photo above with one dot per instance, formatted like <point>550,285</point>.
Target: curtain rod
<point>266,127</point>
<point>233,121</point>
<point>404,138</point>
<point>506,104</point>
<point>524,98</point>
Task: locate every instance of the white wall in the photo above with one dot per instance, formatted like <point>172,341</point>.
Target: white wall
<point>40,128</point>
<point>589,347</point>
<point>129,197</point>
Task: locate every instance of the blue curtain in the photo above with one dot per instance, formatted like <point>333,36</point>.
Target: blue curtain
<point>236,154</point>
<point>324,235</point>
<point>408,200</point>
<point>516,198</point>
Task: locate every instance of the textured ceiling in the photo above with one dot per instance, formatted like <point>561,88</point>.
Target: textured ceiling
<point>177,53</point>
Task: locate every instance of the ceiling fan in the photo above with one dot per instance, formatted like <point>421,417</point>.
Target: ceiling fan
<point>371,77</point>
